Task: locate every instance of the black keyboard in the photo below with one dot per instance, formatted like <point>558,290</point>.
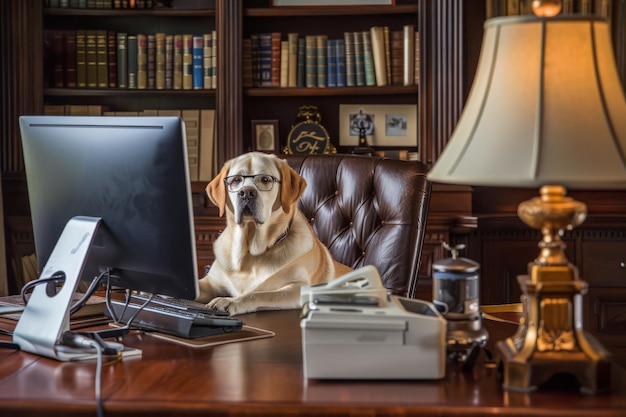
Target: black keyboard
<point>179,303</point>
<point>186,323</point>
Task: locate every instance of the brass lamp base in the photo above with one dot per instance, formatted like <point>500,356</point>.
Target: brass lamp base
<point>551,339</point>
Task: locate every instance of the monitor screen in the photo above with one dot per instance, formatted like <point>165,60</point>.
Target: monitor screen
<point>132,172</point>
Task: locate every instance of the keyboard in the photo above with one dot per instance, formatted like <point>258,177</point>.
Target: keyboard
<point>189,322</point>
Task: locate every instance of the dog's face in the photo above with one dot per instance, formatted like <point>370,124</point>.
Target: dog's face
<point>253,185</point>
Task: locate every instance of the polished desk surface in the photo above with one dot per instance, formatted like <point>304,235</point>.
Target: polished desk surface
<point>264,377</point>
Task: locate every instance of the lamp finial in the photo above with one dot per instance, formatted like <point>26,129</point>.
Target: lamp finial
<point>546,8</point>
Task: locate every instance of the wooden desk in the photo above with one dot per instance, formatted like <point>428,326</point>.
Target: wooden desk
<point>264,378</point>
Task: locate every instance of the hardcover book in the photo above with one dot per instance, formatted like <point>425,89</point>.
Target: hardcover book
<point>359,60</point>
<point>187,61</point>
<point>301,76</point>
<point>207,51</point>
<point>192,131</point>
<point>151,67</point>
<point>340,53</point>
<point>69,37</point>
<point>276,57</point>
<point>198,61</point>
<point>331,63</point>
<point>207,145</point>
<point>133,56</point>
<point>91,59</point>
<point>377,37</point>
<point>368,59</point>
<point>102,61</point>
<point>322,61</point>
<point>284,64</point>
<point>122,60</point>
<point>292,79</point>
<point>112,58</point>
<point>265,59</point>
<point>311,61</point>
<point>397,57</point>
<point>409,55</point>
<point>160,60</point>
<point>348,39</point>
<point>178,62</point>
<point>142,61</point>
<point>169,62</point>
<point>246,63</point>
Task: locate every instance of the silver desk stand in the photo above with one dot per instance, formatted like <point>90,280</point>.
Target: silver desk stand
<point>46,316</point>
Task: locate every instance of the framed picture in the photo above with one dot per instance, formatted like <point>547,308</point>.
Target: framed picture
<point>384,125</point>
<point>265,136</point>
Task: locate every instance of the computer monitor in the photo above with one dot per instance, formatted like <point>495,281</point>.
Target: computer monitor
<point>131,175</point>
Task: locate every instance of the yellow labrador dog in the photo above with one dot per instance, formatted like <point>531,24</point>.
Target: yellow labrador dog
<point>268,250</point>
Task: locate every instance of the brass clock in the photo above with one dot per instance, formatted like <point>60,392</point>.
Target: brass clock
<point>308,136</point>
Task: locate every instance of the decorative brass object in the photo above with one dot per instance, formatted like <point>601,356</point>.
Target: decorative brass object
<point>550,339</point>
<point>308,136</point>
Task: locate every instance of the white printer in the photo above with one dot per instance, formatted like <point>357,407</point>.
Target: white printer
<point>353,329</point>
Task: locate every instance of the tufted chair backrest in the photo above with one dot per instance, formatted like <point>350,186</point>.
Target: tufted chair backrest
<point>368,211</point>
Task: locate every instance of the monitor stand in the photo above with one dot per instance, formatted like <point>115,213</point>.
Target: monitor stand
<point>46,316</point>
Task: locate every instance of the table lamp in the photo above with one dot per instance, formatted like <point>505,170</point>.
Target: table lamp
<point>546,110</point>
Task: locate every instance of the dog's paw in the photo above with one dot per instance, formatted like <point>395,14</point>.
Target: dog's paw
<point>226,304</point>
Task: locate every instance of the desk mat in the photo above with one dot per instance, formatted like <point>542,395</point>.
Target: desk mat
<point>246,333</point>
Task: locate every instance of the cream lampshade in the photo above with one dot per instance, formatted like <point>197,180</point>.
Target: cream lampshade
<point>546,109</point>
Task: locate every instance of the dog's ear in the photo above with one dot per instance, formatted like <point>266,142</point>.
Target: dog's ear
<point>216,190</point>
<point>292,186</point>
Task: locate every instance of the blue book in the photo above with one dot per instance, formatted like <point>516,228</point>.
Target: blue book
<point>198,62</point>
<point>340,54</point>
<point>331,60</point>
<point>265,59</point>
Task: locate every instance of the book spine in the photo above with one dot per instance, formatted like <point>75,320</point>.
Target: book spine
<point>207,145</point>
<point>322,61</point>
<point>292,79</point>
<point>378,55</point>
<point>359,61</point>
<point>255,57</point>
<point>276,57</point>
<point>142,61</point>
<point>92,59</point>
<point>409,54</point>
<point>112,58</point>
<point>214,59</point>
<point>284,64</point>
<point>192,130</point>
<point>368,59</point>
<point>265,59</point>
<point>331,63</point>
<point>169,62</point>
<point>187,61</point>
<point>416,53</point>
<point>69,38</point>
<point>311,61</point>
<point>178,62</point>
<point>396,58</point>
<point>55,61</point>
<point>160,61</point>
<point>81,58</point>
<point>133,56</point>
<point>151,59</point>
<point>340,47</point>
<point>102,54</point>
<point>348,40</point>
<point>122,60</point>
<point>387,45</point>
<point>246,63</point>
<point>301,76</point>
<point>207,46</point>
<point>198,64</point>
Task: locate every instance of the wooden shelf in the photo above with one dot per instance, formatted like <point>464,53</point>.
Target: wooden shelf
<point>127,12</point>
<point>329,11</point>
<point>118,92</point>
<point>330,91</point>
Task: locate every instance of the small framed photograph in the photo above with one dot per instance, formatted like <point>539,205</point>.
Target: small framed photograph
<point>265,136</point>
<point>385,125</point>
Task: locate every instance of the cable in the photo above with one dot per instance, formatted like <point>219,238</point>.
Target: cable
<point>80,341</point>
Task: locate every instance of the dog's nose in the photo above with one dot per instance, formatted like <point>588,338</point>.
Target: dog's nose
<point>248,192</point>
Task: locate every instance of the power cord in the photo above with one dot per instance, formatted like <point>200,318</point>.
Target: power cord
<point>80,341</point>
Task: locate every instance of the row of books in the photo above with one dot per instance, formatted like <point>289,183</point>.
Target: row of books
<point>375,57</point>
<point>199,125</point>
<point>110,59</point>
<point>103,4</point>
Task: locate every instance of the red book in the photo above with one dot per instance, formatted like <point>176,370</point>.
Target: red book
<point>275,59</point>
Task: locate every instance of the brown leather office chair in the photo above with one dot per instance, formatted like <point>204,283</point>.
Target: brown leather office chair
<point>368,211</point>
